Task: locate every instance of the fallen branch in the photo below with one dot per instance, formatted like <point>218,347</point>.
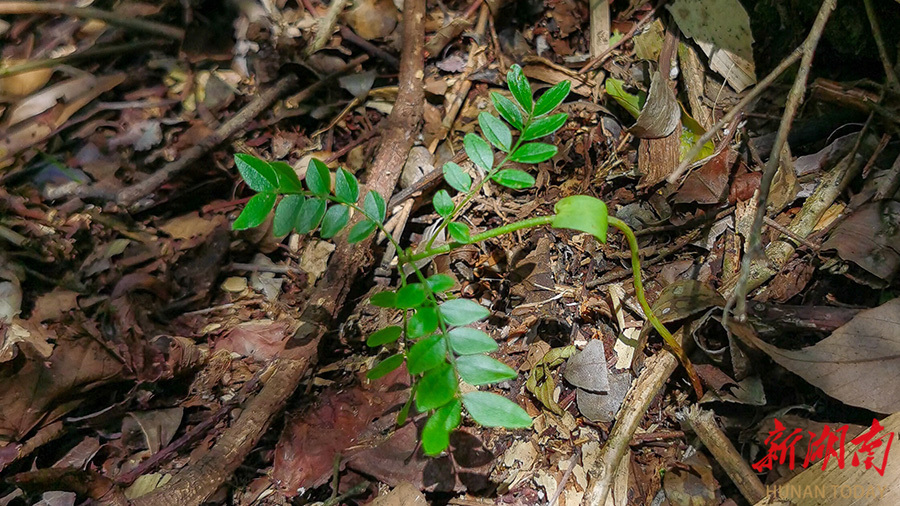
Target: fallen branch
<point>112,18</point>
<point>657,370</point>
<point>703,423</point>
<point>198,482</point>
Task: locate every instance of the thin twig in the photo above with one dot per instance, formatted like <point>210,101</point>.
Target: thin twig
<point>786,231</point>
<point>276,269</point>
<point>131,194</point>
<point>359,488</point>
<point>197,482</point>
<point>597,60</point>
<point>795,97</point>
<point>565,477</point>
<point>892,80</point>
<point>657,370</point>
<point>112,18</point>
<point>351,37</point>
<point>97,52</point>
<point>732,114</point>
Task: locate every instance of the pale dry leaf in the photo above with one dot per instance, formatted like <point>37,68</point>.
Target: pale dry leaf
<point>404,494</point>
<point>54,304</point>
<point>191,225</point>
<point>722,30</point>
<point>372,19</point>
<point>661,113</point>
<point>870,238</point>
<point>587,368</point>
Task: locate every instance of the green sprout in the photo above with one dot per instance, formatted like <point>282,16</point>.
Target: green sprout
<point>436,340</point>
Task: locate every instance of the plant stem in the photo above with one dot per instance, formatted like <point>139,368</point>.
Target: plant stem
<point>651,317</point>
<point>477,189</point>
<point>488,234</point>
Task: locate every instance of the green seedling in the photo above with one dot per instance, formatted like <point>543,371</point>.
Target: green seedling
<point>435,338</point>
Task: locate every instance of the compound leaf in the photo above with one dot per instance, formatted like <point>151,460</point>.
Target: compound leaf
<point>534,152</point>
<point>410,296</point>
<point>424,322</point>
<point>496,131</point>
<point>346,187</point>
<point>459,232</point>
<point>374,206</point>
<point>426,354</point>
<point>479,151</point>
<point>482,370</point>
<point>386,299</point>
<point>440,282</point>
<point>335,219</point>
<point>469,341</point>
<point>519,87</point>
<point>508,110</point>
<point>544,126</point>
<point>384,336</point>
<point>456,177</point>
<point>552,98</point>
<point>360,231</point>
<point>385,366</point>
<point>288,182</point>
<point>436,432</point>
<point>443,204</point>
<point>311,213</point>
<point>318,177</point>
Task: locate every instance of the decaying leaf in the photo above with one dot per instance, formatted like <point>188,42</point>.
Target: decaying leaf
<point>540,381</point>
<point>682,299</point>
<point>694,486</point>
<point>304,456</point>
<point>587,369</point>
<point>602,407</point>
<point>372,19</point>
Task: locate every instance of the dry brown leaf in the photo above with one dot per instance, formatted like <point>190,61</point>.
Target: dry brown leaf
<point>870,238</point>
<point>304,456</point>
<point>34,393</point>
<point>858,364</point>
<point>372,19</point>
